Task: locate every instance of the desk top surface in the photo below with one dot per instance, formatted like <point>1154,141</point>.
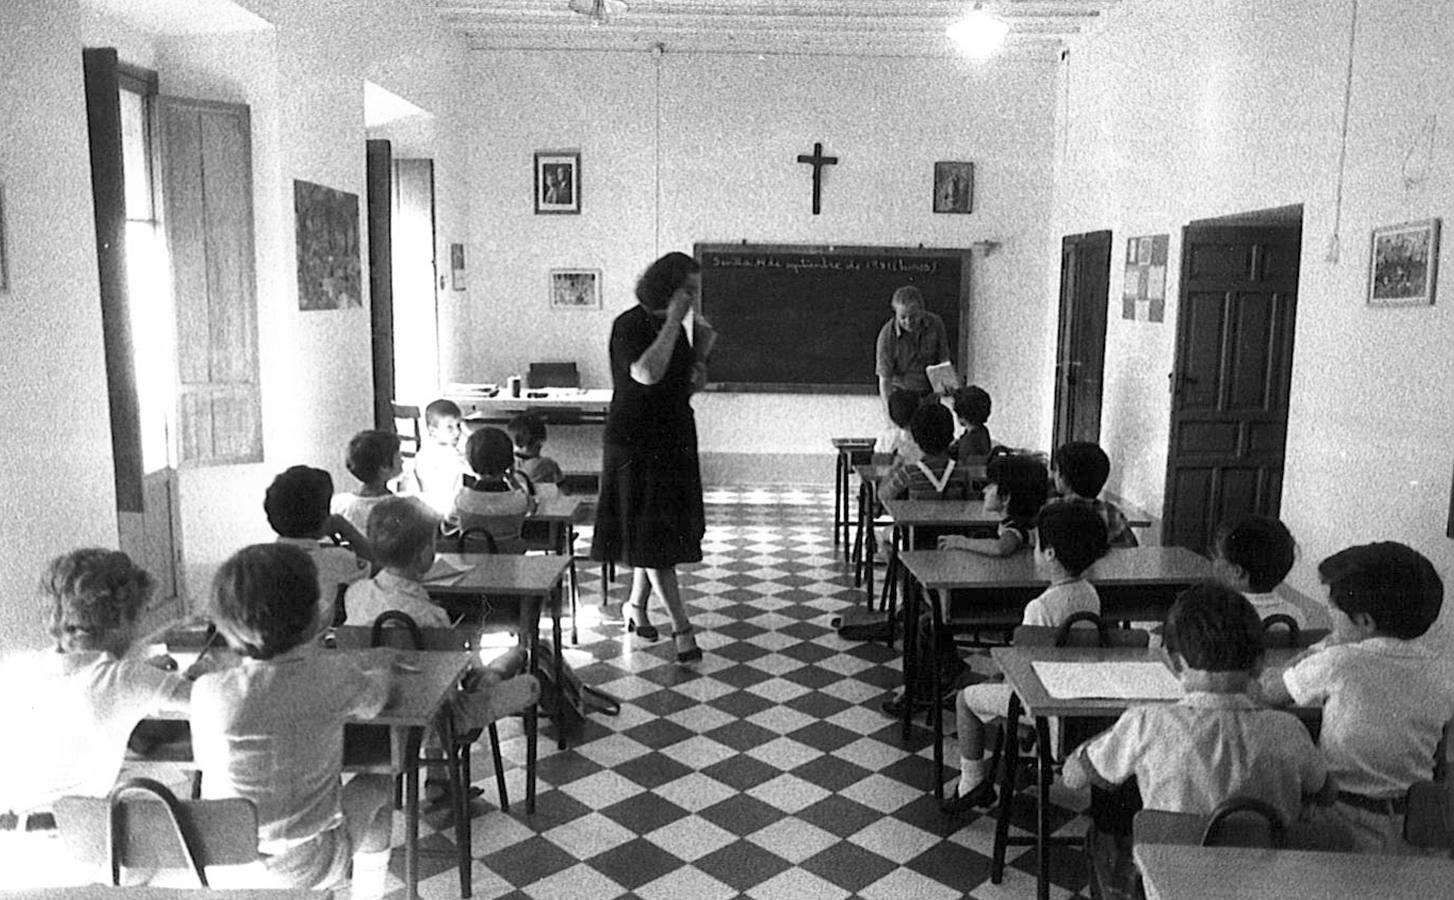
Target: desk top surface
<point>959,569</point>
<point>1175,872</point>
<point>544,397</point>
<point>911,513</point>
<point>503,574</point>
<point>560,508</point>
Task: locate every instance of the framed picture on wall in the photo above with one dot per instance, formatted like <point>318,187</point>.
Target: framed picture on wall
<point>1403,263</point>
<point>557,182</point>
<point>954,187</point>
<point>575,288</point>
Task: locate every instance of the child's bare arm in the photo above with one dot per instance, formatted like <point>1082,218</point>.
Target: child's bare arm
<point>1006,544</point>
<point>1079,773</point>
<point>341,528</point>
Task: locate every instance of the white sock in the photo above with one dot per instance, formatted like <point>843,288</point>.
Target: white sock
<point>971,773</point>
<point>370,871</point>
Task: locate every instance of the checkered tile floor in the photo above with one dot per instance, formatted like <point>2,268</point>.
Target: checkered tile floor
<point>765,771</point>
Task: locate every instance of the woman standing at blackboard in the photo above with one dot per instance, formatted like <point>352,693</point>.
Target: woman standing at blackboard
<point>649,515</point>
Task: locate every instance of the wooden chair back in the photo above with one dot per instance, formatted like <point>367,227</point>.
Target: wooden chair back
<point>1236,822</point>
<point>156,830</point>
<point>406,425</point>
<point>1082,629</point>
<point>1281,630</point>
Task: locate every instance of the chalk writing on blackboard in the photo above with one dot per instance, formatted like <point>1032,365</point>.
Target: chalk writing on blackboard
<point>823,263</point>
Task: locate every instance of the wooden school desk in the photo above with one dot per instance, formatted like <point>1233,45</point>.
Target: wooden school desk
<point>910,515</point>
<point>560,514</point>
<point>1174,872</point>
<point>524,586</point>
<point>1031,698</point>
<point>422,687</point>
<point>850,451</point>
<point>1134,583</point>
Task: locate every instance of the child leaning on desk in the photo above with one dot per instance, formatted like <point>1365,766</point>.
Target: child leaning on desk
<point>297,505</point>
<point>1217,742</point>
<point>1017,486</point>
<point>271,728</point>
<point>1072,537</point>
<point>1387,696</point>
<point>69,708</point>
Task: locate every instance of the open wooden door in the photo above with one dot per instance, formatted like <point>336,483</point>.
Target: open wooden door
<point>1230,381</point>
<point>1085,279</point>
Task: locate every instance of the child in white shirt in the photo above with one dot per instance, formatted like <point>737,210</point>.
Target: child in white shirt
<point>271,728</point>
<point>1072,537</point>
<point>375,459</point>
<point>1387,696</point>
<point>1253,555</point>
<point>439,466</point>
<point>297,506</point>
<point>70,708</point>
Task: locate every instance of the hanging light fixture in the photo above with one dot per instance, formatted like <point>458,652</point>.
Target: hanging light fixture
<point>978,34</point>
<point>599,11</point>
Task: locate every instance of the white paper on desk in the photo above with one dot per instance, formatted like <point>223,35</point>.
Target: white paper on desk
<point>1112,680</point>
<point>444,570</point>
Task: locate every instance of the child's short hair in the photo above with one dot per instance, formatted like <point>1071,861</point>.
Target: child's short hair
<point>526,429</point>
<point>89,593</point>
<point>932,427</point>
<point>441,409</point>
<point>399,528</point>
<point>1084,466</point>
<point>1392,583</point>
<point>490,452</point>
<point>1020,477</point>
<point>972,404</point>
<point>1215,629</point>
<point>902,405</point>
<point>1075,532</point>
<point>297,501</point>
<point>1262,546</point>
<point>371,452</point>
<point>265,599</point>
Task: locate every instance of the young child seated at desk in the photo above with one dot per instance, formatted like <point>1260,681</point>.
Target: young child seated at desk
<point>1072,536</point>
<point>70,708</point>
<point>1080,470</point>
<point>1387,696</point>
<point>934,476</point>
<point>271,729</point>
<point>374,458</point>
<point>1217,742</point>
<point>1253,555</point>
<point>500,498</point>
<point>972,409</point>
<point>527,431</point>
<point>1016,485</point>
<point>297,504</point>
<point>440,466</point>
<point>896,444</point>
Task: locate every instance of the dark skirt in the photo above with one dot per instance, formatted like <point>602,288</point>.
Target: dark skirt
<point>649,514</point>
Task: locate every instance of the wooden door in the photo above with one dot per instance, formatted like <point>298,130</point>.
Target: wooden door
<point>1085,278</point>
<point>379,179</point>
<point>1230,381</point>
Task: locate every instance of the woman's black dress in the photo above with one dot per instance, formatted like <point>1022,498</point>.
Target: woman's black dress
<point>649,514</point>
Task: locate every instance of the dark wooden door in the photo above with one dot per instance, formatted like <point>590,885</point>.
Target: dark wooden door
<point>1230,381</point>
<point>379,182</point>
<point>1085,278</point>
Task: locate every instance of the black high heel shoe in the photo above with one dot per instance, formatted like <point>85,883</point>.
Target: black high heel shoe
<point>687,649</point>
<point>636,623</point>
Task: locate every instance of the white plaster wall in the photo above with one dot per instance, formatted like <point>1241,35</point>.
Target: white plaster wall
<point>1183,111</point>
<point>731,128</point>
<point>60,491</point>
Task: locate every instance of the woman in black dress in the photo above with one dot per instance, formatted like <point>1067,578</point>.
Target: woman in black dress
<point>649,516</point>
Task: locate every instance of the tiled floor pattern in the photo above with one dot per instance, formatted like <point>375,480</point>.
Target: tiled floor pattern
<point>765,771</point>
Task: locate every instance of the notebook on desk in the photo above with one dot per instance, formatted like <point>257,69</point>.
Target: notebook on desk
<point>1108,680</point>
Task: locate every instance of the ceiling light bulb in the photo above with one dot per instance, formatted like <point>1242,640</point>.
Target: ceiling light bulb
<point>979,34</point>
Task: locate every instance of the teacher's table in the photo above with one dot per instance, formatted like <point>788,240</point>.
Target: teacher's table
<point>525,585</point>
<point>559,405</point>
<point>1176,872</point>
<point>1134,583</point>
<point>423,683</point>
<point>1030,697</point>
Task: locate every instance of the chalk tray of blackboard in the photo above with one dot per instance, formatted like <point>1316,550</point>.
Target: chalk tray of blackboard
<point>804,319</point>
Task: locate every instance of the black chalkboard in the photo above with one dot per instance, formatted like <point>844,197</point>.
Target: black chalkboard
<point>805,319</point>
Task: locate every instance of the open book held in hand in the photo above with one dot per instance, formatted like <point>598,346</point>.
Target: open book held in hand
<point>1108,680</point>
<point>942,377</point>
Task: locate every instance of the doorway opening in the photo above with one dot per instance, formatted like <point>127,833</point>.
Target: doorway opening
<point>1231,376</point>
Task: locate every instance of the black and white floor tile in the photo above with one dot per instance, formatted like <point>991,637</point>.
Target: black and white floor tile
<point>766,771</point>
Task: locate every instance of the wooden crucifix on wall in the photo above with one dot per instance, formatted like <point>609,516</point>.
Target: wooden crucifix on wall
<point>817,160</point>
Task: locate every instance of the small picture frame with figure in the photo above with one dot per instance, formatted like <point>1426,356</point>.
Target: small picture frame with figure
<point>557,182</point>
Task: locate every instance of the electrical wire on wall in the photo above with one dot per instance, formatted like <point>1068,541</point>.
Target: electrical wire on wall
<point>657,51</point>
<point>1333,239</point>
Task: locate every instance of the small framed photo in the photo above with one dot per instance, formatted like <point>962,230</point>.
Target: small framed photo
<point>456,266</point>
<point>954,187</point>
<point>575,288</point>
<point>557,182</point>
<point>1403,264</point>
